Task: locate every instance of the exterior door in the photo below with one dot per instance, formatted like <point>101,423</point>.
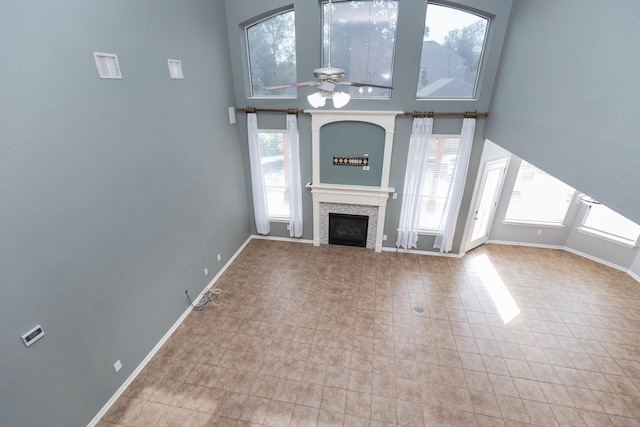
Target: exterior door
<point>485,205</point>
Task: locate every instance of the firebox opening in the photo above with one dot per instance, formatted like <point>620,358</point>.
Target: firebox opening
<point>348,230</point>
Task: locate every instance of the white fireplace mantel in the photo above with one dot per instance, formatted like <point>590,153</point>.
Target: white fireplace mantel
<point>376,196</point>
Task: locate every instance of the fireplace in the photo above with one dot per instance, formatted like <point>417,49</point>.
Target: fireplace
<point>348,230</point>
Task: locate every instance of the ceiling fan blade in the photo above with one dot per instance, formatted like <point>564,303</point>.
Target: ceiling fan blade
<point>301,84</point>
<point>356,84</point>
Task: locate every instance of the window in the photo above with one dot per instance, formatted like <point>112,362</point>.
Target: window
<point>271,44</point>
<point>363,36</point>
<point>274,149</point>
<point>452,48</point>
<point>600,221</point>
<point>436,181</point>
<point>538,198</point>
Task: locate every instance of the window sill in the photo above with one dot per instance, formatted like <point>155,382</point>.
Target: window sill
<point>533,223</point>
<point>279,219</point>
<point>608,237</point>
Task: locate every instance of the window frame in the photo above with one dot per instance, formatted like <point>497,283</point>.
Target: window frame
<point>249,80</point>
<point>605,235</point>
<point>353,91</point>
<point>272,217</point>
<point>537,223</point>
<point>481,60</point>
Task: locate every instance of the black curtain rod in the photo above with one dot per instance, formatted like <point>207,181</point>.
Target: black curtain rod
<point>270,110</point>
<point>466,115</point>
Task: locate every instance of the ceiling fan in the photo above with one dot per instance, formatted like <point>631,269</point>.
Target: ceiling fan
<point>328,78</point>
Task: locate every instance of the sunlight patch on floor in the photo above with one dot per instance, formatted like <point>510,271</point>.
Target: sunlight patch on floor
<point>504,302</point>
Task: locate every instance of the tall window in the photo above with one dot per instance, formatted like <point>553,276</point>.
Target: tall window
<point>437,180</point>
<point>603,222</point>
<point>363,36</point>
<point>274,149</point>
<point>538,198</point>
<point>452,48</point>
<point>271,44</point>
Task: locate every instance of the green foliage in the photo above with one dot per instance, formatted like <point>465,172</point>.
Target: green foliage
<point>270,144</point>
<point>272,52</point>
<point>467,43</point>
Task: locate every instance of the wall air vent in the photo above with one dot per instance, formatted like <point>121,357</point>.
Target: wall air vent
<point>107,64</point>
<point>175,69</point>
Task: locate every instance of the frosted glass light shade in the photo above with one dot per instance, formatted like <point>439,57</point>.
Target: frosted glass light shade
<point>317,99</point>
<point>340,99</point>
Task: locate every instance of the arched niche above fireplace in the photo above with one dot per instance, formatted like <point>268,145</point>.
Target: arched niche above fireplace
<point>346,147</point>
<point>358,197</point>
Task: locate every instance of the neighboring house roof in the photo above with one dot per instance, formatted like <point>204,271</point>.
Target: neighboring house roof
<point>446,88</point>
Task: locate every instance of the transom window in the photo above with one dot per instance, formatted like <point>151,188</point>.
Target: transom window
<point>600,221</point>
<point>274,149</point>
<point>271,44</point>
<point>452,48</point>
<point>437,180</point>
<point>363,35</point>
<point>538,198</point>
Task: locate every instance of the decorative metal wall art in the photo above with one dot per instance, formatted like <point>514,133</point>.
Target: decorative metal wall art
<point>351,161</point>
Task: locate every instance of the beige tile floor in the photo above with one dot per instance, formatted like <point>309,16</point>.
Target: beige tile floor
<point>329,336</point>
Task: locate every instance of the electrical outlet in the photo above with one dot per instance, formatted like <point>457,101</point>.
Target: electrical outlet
<point>206,271</point>
<point>219,257</point>
<point>384,237</point>
<point>395,196</point>
<point>117,365</point>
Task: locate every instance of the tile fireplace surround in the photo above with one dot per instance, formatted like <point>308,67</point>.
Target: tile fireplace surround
<point>352,199</point>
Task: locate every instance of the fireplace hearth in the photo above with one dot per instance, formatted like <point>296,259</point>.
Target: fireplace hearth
<point>348,230</point>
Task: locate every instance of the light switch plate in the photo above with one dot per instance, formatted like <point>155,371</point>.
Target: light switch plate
<point>33,335</point>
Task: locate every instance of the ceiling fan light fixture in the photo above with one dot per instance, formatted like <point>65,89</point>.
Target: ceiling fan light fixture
<point>317,99</point>
<point>340,99</point>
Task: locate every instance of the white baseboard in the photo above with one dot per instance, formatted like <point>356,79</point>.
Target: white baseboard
<point>419,252</point>
<point>531,245</point>
<point>573,251</point>
<point>160,343</point>
<point>282,239</point>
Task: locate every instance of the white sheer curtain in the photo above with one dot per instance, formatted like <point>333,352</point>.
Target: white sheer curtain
<point>416,166</point>
<point>260,210</point>
<point>295,184</point>
<point>444,237</point>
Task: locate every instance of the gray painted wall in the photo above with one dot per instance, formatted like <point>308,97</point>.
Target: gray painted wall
<point>115,195</point>
<point>566,95</point>
<point>351,139</point>
<point>406,67</point>
<point>526,233</point>
<point>635,266</point>
<point>565,237</point>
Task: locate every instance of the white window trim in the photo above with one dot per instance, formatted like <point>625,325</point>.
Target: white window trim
<point>607,236</point>
<point>535,223</point>
<point>557,225</point>
<point>272,217</point>
<point>248,57</point>
<point>603,235</point>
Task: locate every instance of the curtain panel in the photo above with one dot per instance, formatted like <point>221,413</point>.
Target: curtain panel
<point>260,209</point>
